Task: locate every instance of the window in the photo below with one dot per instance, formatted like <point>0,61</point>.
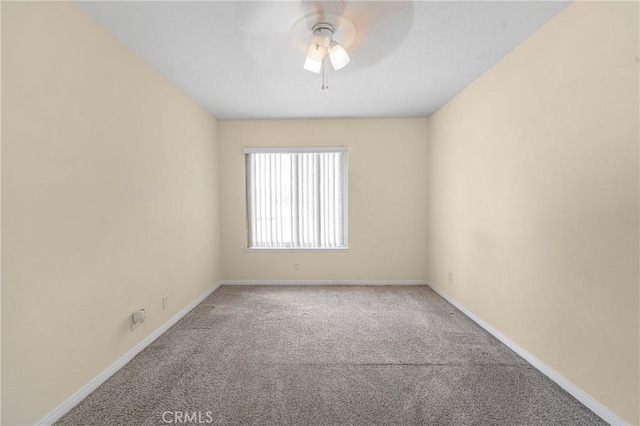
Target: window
<point>297,198</point>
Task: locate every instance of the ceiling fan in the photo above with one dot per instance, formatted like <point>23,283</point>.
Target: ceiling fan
<point>324,33</point>
<point>331,33</point>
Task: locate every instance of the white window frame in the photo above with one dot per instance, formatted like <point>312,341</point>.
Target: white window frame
<point>296,150</point>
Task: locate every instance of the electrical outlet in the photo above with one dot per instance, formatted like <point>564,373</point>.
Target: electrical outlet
<point>296,266</point>
<point>165,302</point>
<point>450,277</point>
<point>137,318</point>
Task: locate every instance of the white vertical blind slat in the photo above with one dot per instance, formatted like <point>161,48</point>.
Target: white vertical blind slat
<point>278,201</point>
<point>294,205</point>
<point>323,200</point>
<point>260,194</point>
<point>272,204</point>
<point>303,193</point>
<point>316,201</point>
<point>252,202</point>
<point>331,207</point>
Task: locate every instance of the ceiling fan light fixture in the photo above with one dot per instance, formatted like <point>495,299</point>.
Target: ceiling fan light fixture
<point>313,65</point>
<point>324,20</point>
<point>316,52</point>
<point>338,56</point>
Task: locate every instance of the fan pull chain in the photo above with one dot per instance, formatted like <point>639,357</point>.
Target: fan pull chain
<point>325,79</point>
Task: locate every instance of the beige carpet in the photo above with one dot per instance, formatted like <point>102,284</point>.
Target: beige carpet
<point>328,355</point>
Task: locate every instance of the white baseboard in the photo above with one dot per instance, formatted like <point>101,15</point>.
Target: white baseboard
<point>565,384</point>
<point>581,396</point>
<point>74,399</point>
<point>324,282</point>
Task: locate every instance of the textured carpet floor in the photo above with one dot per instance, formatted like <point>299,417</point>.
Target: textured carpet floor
<point>329,355</point>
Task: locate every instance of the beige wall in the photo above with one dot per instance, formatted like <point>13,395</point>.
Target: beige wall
<point>387,199</point>
<point>110,201</point>
<point>533,199</point>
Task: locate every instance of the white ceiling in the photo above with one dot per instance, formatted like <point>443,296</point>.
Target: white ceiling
<point>238,60</point>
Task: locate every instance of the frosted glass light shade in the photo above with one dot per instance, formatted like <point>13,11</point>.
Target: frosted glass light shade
<point>316,52</point>
<point>338,56</point>
<point>313,65</point>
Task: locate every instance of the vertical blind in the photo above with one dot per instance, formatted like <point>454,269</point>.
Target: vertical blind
<point>296,198</point>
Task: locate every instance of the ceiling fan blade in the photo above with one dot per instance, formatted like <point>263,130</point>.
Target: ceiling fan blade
<point>328,11</point>
<point>256,18</point>
<point>381,28</point>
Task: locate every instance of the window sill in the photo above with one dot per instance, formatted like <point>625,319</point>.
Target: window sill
<point>297,250</point>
